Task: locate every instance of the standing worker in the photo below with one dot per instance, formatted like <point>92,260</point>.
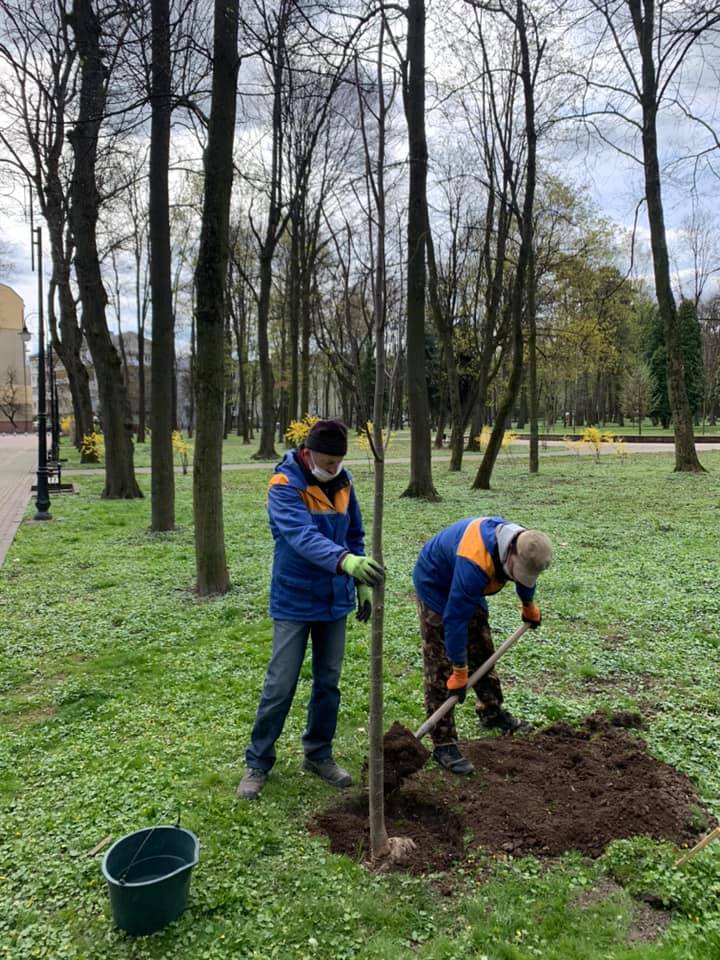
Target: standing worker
<point>317,565</point>
<point>454,573</point>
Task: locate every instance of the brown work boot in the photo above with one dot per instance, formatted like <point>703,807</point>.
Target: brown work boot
<point>328,771</point>
<point>250,787</point>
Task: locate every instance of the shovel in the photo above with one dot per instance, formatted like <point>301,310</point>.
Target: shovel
<point>472,680</point>
<point>403,752</point>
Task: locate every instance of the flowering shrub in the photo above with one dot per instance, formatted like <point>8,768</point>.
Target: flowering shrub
<point>182,448</point>
<point>92,447</point>
<point>483,438</point>
<point>299,429</point>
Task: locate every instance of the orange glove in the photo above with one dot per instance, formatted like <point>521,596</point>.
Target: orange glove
<point>531,614</point>
<point>457,682</point>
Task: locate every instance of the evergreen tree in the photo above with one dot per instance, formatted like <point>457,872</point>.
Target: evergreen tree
<point>656,355</point>
<point>691,340</point>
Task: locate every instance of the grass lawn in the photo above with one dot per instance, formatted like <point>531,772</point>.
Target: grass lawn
<point>125,702</point>
<point>237,452</point>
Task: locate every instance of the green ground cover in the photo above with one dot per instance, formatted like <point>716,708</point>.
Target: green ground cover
<point>235,451</point>
<point>123,701</point>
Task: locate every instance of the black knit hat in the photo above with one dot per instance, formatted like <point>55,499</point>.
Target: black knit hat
<point>328,436</point>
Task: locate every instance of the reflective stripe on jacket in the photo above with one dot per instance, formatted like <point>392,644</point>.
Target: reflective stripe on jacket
<point>456,570</point>
<point>311,534</point>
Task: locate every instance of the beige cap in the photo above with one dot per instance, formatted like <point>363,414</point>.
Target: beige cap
<point>533,554</point>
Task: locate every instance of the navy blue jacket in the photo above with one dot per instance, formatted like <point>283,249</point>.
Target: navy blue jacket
<point>313,526</point>
<point>454,573</point>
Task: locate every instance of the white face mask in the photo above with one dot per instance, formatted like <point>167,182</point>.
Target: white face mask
<point>321,474</point>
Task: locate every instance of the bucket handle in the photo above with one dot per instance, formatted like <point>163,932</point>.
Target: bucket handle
<point>121,878</point>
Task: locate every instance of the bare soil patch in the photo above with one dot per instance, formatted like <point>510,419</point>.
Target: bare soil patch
<point>557,789</point>
<point>648,923</point>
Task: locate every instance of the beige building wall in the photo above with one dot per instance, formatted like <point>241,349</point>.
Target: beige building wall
<point>15,378</point>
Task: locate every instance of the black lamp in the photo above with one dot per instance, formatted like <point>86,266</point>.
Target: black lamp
<point>42,501</point>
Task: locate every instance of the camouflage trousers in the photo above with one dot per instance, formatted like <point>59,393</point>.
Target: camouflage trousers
<point>437,668</point>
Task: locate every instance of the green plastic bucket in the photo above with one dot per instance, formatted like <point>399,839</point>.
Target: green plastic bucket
<point>148,876</point>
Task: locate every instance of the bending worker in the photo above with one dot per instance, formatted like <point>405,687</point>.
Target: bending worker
<point>454,573</point>
<point>318,564</point>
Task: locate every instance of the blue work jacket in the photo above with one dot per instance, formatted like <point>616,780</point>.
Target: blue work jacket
<point>312,531</point>
<point>454,573</point>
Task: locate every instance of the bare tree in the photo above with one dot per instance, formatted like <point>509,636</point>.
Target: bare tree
<point>211,285</point>
<point>528,50</point>
<point>413,86</point>
<point>375,180</point>
<point>120,480</point>
<point>10,401</point>
<point>38,91</point>
<point>284,37</point>
<point>163,333</point>
<point>652,42</point>
<point>699,234</point>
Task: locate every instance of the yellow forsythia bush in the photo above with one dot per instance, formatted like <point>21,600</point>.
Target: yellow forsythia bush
<point>299,429</point>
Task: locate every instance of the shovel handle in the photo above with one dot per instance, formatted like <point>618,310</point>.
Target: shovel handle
<point>698,847</point>
<point>447,706</point>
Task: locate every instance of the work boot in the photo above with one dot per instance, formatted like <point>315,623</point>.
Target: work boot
<point>449,756</point>
<point>504,721</point>
<point>250,787</point>
<point>328,771</point>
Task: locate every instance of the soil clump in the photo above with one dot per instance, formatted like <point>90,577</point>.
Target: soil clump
<point>403,755</point>
<point>557,789</point>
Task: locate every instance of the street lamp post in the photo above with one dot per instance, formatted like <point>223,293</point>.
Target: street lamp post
<point>54,417</point>
<point>42,501</point>
<point>25,336</point>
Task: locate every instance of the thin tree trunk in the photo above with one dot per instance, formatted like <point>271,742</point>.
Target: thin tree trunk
<point>532,387</point>
<point>211,284</point>
<point>379,845</point>
<point>444,327</point>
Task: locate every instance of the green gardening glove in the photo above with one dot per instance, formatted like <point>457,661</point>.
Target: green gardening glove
<point>364,596</point>
<point>363,569</point>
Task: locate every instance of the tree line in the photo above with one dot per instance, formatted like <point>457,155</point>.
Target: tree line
<point>286,189</point>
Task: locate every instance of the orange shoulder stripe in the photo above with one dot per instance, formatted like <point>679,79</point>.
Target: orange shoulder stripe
<point>277,478</point>
<point>472,547</point>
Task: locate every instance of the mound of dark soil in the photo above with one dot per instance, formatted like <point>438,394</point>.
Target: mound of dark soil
<point>558,789</point>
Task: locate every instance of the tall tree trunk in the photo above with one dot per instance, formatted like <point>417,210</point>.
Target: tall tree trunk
<point>116,418</point>
<point>482,479</point>
<point>161,369</point>
<point>421,483</point>
<point>294,307</point>
<point>686,458</point>
<point>68,343</point>
<point>211,284</point>
<point>266,450</point>
<point>444,327</point>
<point>532,386</point>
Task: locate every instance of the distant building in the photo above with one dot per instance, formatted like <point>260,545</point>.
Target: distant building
<point>16,407</point>
<point>128,352</point>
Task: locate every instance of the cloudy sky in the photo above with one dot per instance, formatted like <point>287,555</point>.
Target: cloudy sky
<point>614,183</point>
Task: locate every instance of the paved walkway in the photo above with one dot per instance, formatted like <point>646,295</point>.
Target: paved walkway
<point>18,461</point>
